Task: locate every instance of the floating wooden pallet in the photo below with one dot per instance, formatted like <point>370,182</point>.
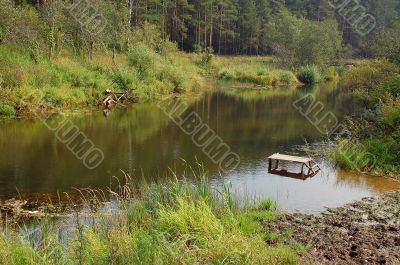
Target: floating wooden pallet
<point>308,163</point>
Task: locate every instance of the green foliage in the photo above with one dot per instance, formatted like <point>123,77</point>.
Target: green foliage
<point>385,150</point>
<point>149,35</point>
<point>391,87</point>
<point>123,79</point>
<point>227,75</point>
<point>385,43</point>
<point>368,75</point>
<point>320,43</point>
<point>376,129</point>
<point>142,57</point>
<point>6,110</point>
<point>287,77</point>
<point>309,74</point>
<point>258,71</point>
<point>179,222</point>
<point>299,41</point>
<point>330,73</point>
<point>167,48</point>
<point>351,155</point>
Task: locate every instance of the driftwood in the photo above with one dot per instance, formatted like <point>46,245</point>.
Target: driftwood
<point>113,99</point>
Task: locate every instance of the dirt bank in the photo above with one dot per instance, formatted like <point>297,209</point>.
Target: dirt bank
<point>364,232</point>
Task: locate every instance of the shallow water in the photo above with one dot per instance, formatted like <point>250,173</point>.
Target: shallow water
<point>143,141</point>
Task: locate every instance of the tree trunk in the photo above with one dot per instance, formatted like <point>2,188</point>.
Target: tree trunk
<point>205,28</point>
<point>130,13</point>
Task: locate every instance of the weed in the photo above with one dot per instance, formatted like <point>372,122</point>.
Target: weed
<point>309,74</point>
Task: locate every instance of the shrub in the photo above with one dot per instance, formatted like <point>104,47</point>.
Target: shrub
<point>330,73</point>
<point>389,114</point>
<point>123,80</point>
<point>50,96</point>
<point>7,110</point>
<point>391,87</point>
<point>148,34</point>
<point>227,74</point>
<point>287,77</point>
<point>351,155</point>
<point>75,97</point>
<point>207,57</point>
<point>142,57</point>
<point>385,151</point>
<point>167,47</point>
<point>368,75</point>
<point>309,74</point>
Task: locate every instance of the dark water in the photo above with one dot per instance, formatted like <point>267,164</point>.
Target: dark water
<point>143,141</point>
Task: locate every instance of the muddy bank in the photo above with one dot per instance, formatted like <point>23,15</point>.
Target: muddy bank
<point>17,210</point>
<point>364,232</point>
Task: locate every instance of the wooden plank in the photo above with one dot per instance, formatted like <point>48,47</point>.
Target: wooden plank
<point>295,159</point>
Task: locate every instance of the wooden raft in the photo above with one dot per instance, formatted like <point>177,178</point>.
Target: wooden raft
<point>308,163</point>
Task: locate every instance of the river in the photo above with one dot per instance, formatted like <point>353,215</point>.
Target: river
<point>143,141</point>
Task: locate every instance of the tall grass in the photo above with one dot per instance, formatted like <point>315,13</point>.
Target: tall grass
<point>259,71</point>
<point>178,222</point>
<point>309,74</point>
<point>73,83</point>
<point>374,85</point>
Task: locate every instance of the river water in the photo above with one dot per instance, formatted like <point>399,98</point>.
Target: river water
<point>143,141</point>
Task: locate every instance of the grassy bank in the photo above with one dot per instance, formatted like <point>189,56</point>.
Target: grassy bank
<point>375,86</point>
<point>71,83</point>
<point>254,70</point>
<point>178,222</point>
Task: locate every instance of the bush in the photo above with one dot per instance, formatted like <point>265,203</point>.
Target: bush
<point>7,110</point>
<point>142,57</point>
<point>123,80</point>
<point>309,74</point>
<point>287,77</point>
<point>207,57</point>
<point>227,75</point>
<point>351,155</point>
<point>330,73</point>
<point>167,47</point>
<point>385,151</point>
<point>50,96</point>
<point>391,87</point>
<point>368,75</point>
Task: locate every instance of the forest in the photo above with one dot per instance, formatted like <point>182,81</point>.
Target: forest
<point>255,27</point>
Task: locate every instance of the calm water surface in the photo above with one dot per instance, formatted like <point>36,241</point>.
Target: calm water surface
<point>143,141</point>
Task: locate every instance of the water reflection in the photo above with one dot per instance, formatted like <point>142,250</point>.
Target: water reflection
<point>142,141</point>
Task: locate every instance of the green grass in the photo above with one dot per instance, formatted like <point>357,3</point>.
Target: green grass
<point>7,110</point>
<point>309,74</point>
<point>71,83</point>
<point>178,222</point>
<point>351,155</point>
<point>374,85</point>
<point>254,70</point>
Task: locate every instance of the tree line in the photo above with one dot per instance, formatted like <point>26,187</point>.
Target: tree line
<point>289,28</point>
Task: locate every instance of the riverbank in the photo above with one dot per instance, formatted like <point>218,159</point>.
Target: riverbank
<point>370,142</point>
<point>363,232</point>
<point>189,222</point>
<point>71,84</point>
<point>179,222</point>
